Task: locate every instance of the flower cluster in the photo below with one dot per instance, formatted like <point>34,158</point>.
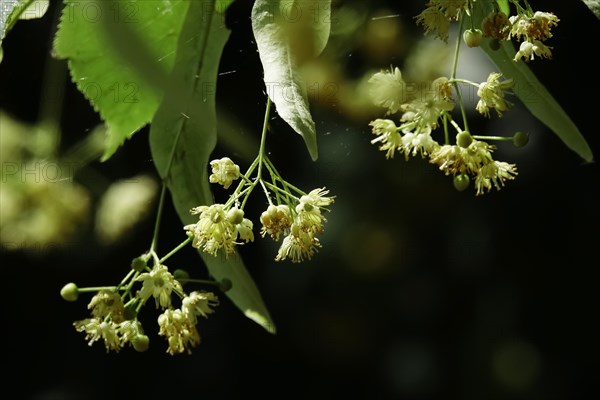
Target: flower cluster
<point>293,215</point>
<point>473,161</point>
<point>300,242</point>
<point>219,227</point>
<point>532,29</point>
<point>529,27</point>
<point>430,108</point>
<point>424,109</point>
<point>438,15</point>
<point>114,311</point>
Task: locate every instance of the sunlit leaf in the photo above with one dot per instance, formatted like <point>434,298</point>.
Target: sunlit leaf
<point>287,33</point>
<point>125,102</point>
<point>184,130</point>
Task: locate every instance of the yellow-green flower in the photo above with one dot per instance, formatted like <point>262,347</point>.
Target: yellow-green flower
<point>107,303</point>
<point>388,90</point>
<point>224,172</point>
<point>491,94</point>
<point>198,304</point>
<point>158,283</point>
<point>96,329</point>
<point>213,230</point>
<point>536,27</point>
<point>438,15</point>
<point>298,246</point>
<point>494,173</point>
<point>418,143</point>
<point>317,198</point>
<point>179,330</point>
<point>528,50</point>
<point>423,112</point>
<point>276,221</point>
<point>388,136</point>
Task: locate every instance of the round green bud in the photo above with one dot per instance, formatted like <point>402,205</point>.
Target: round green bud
<point>464,139</point>
<point>472,37</point>
<point>70,292</point>
<point>181,274</point>
<point>130,313</point>
<point>235,215</point>
<point>138,264</point>
<point>495,44</point>
<point>461,182</point>
<point>225,285</point>
<point>140,343</point>
<point>520,139</point>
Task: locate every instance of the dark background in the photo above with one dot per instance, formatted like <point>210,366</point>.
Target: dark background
<point>420,291</point>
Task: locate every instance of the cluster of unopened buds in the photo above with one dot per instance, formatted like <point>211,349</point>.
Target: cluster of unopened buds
<point>424,109</point>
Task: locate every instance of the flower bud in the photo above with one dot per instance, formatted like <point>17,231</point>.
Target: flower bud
<point>235,215</point>
<point>140,343</point>
<point>472,37</point>
<point>70,292</point>
<point>520,139</point>
<point>461,182</point>
<point>138,264</point>
<point>181,274</point>
<point>464,139</point>
<point>225,285</point>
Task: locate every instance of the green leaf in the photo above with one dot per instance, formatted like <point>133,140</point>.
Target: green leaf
<point>532,93</point>
<point>287,33</point>
<point>183,135</point>
<point>125,101</point>
<point>222,5</point>
<point>594,6</point>
<point>503,6</point>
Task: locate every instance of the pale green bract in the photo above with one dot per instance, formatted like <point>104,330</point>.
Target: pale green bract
<point>276,24</point>
<point>186,122</point>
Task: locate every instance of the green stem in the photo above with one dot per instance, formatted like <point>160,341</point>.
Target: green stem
<point>478,137</point>
<point>97,289</point>
<point>280,179</point>
<point>261,150</point>
<point>453,76</point>
<point>446,133</point>
<point>175,250</point>
<point>282,191</point>
<point>163,194</point>
<point>234,197</point>
<point>456,126</point>
<point>127,277</point>
<point>457,80</point>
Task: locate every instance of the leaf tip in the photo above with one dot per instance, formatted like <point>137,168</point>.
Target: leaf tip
<point>263,321</point>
